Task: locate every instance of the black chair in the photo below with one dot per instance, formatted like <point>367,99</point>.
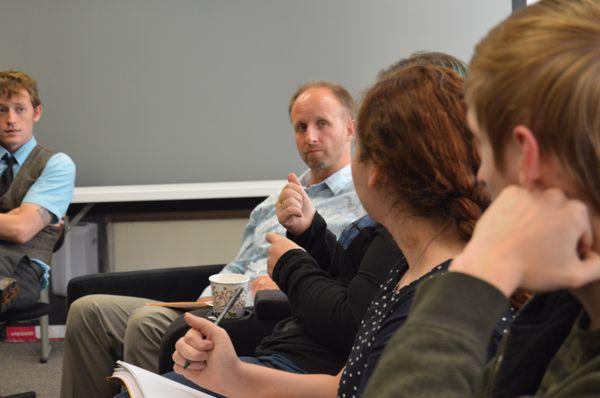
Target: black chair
<point>40,310</point>
<point>165,284</point>
<point>185,284</point>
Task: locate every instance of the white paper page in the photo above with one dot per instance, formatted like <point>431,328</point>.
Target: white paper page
<point>156,386</point>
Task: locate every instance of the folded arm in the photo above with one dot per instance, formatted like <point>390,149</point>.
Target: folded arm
<point>23,223</point>
<point>45,202</point>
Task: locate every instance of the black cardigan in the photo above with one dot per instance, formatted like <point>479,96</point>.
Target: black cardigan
<point>329,291</point>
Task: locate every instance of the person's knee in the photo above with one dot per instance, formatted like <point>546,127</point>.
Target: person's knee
<point>83,313</point>
<point>146,324</point>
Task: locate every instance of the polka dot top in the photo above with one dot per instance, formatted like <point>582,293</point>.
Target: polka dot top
<point>388,312</point>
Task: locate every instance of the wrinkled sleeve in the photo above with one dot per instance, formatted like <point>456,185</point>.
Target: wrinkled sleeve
<point>331,309</point>
<point>246,253</point>
<point>319,242</point>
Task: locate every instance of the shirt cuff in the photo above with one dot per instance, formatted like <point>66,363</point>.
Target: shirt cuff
<point>286,259</point>
<point>45,278</point>
<point>316,227</point>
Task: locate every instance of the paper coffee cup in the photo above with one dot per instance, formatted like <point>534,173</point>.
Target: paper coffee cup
<point>223,287</point>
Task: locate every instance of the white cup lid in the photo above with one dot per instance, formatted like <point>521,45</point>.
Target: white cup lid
<point>233,279</point>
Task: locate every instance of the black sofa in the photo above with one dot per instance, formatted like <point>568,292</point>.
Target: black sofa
<point>185,284</point>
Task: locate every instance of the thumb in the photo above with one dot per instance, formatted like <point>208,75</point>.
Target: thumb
<point>202,325</point>
<point>273,237</point>
<point>293,179</point>
<point>589,268</point>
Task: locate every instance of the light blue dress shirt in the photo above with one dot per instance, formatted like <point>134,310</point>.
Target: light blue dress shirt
<point>334,198</point>
<point>53,190</point>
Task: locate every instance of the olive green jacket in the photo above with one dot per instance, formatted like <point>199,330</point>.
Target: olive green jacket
<point>440,351</point>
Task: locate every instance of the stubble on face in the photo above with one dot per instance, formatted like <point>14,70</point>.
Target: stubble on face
<point>318,115</point>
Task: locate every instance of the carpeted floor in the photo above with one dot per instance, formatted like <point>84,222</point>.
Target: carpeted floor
<point>22,371</point>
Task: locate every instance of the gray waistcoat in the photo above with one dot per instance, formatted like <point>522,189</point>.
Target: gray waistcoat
<point>41,245</point>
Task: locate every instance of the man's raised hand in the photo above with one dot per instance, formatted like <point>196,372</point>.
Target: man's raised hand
<point>294,208</point>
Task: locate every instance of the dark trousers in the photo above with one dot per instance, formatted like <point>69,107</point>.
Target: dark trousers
<point>27,274</point>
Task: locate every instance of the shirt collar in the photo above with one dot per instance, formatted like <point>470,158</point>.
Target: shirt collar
<point>21,153</point>
<point>336,182</point>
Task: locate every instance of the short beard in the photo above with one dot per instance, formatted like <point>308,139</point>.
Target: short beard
<point>315,165</point>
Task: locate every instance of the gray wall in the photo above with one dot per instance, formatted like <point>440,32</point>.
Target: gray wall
<point>157,91</point>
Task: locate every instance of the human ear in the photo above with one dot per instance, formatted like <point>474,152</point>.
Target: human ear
<point>374,176</point>
<point>37,113</point>
<point>350,129</point>
<point>530,160</point>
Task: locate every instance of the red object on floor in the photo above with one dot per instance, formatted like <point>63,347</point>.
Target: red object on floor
<point>20,334</point>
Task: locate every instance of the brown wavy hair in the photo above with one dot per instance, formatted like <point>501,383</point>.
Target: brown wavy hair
<point>427,58</point>
<point>12,82</point>
<point>412,124</point>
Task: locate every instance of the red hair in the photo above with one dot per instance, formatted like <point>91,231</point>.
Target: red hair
<point>413,125</point>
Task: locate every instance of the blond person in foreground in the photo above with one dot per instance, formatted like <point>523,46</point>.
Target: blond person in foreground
<point>414,172</point>
<point>533,94</point>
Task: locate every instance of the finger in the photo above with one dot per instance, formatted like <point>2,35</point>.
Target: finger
<point>273,237</point>
<point>587,270</point>
<point>180,361</point>
<point>189,371</point>
<point>195,340</point>
<point>290,212</point>
<point>191,354</point>
<point>204,326</point>
<point>293,188</point>
<point>293,179</point>
<point>578,216</point>
<point>584,245</point>
<point>290,193</point>
<point>291,202</point>
<point>554,196</point>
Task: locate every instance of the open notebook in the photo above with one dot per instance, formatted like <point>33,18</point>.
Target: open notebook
<point>141,383</point>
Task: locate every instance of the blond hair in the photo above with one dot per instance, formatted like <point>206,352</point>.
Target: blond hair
<point>541,68</point>
<point>339,92</point>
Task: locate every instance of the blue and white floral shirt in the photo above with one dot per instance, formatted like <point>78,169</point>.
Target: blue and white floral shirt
<point>334,198</point>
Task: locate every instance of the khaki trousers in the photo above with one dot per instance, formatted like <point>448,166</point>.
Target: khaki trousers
<point>104,328</point>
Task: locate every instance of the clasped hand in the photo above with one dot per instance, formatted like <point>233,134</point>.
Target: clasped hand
<point>213,363</point>
<point>536,240</point>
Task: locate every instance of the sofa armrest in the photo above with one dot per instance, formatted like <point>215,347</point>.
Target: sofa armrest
<point>271,305</point>
<point>166,284</point>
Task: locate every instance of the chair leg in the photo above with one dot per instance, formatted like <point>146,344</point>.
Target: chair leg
<point>45,331</point>
<point>45,337</point>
